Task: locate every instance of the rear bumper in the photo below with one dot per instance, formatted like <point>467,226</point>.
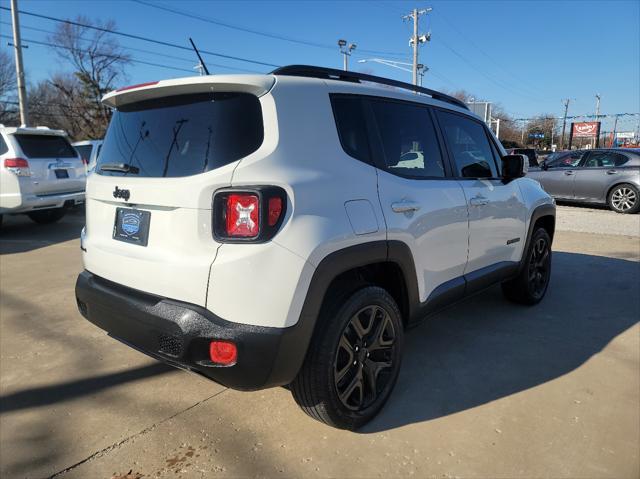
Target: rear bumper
<point>179,334</point>
<point>27,203</point>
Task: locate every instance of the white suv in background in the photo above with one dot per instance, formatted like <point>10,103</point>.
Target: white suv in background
<point>41,175</point>
<point>286,229</point>
<point>89,151</point>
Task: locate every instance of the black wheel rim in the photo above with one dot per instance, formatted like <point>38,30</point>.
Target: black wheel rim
<point>539,267</point>
<point>365,359</point>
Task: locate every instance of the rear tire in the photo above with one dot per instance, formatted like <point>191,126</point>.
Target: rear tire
<point>45,217</point>
<point>531,284</point>
<point>353,360</point>
<point>624,198</point>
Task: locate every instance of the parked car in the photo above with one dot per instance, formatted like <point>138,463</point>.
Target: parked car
<point>41,175</point>
<point>603,176</point>
<point>270,230</point>
<point>89,151</point>
<point>530,153</point>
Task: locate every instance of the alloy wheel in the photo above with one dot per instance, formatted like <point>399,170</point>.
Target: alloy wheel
<point>624,199</point>
<point>539,267</point>
<point>364,360</point>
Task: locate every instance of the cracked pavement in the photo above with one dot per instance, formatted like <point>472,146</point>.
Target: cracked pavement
<point>487,388</point>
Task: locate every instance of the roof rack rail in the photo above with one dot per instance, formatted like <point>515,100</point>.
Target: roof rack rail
<point>333,74</point>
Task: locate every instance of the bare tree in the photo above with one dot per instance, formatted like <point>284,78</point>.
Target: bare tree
<point>99,64</point>
<point>8,106</point>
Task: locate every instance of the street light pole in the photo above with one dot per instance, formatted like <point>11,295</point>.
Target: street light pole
<point>346,52</point>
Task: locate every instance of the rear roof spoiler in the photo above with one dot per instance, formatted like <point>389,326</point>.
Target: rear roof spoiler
<point>255,84</point>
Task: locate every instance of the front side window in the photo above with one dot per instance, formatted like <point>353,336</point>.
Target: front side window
<point>409,141</point>
<point>567,160</point>
<point>45,146</point>
<point>181,135</point>
<point>469,146</point>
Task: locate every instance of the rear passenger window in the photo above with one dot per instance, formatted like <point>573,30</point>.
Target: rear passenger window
<point>469,146</point>
<point>3,146</point>
<point>352,127</point>
<point>408,139</point>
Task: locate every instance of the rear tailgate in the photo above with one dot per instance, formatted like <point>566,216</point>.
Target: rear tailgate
<point>55,166</point>
<point>166,152</point>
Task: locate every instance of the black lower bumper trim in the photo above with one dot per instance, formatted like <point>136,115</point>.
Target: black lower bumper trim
<point>179,334</point>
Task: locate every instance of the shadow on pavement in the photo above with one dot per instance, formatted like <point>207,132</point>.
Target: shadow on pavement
<point>48,395</point>
<point>18,234</point>
<point>486,348</point>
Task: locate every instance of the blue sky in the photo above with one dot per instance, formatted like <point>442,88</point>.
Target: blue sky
<point>525,55</point>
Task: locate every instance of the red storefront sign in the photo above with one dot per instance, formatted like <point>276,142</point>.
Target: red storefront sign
<point>587,129</point>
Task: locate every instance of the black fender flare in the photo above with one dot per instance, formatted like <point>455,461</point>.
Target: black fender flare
<point>293,348</point>
<point>547,209</point>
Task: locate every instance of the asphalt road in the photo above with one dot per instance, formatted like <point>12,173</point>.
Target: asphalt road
<point>487,388</point>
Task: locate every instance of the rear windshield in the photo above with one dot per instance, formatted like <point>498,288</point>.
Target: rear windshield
<point>85,151</point>
<point>45,146</point>
<point>181,135</point>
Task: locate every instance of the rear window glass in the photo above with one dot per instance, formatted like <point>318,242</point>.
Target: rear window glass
<point>45,146</point>
<point>85,151</point>
<point>3,146</point>
<point>352,126</point>
<point>181,135</point>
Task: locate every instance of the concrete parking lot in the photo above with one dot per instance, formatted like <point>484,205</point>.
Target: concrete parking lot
<point>487,388</point>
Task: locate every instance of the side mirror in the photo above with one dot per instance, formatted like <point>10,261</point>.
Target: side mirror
<point>514,166</point>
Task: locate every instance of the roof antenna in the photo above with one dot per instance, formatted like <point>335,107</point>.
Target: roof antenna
<point>206,70</point>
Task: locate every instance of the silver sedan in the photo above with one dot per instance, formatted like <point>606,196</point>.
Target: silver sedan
<point>605,176</point>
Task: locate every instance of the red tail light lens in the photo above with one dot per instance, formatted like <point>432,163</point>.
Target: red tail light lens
<point>251,215</point>
<point>243,215</point>
<point>85,161</point>
<point>16,163</point>
<point>19,166</point>
<point>224,353</point>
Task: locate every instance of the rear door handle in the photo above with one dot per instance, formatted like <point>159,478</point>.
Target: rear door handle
<point>612,172</point>
<point>405,206</point>
<point>478,201</point>
<point>568,173</point>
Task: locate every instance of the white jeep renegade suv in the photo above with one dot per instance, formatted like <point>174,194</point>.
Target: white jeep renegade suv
<point>286,229</point>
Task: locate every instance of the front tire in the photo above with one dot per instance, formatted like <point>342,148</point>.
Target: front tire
<point>624,198</point>
<point>45,217</point>
<point>531,284</point>
<point>353,361</point>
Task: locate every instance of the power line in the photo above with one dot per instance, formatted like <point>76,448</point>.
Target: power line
<point>470,41</point>
<point>145,39</point>
<point>53,45</point>
<point>275,36</point>
<point>141,50</point>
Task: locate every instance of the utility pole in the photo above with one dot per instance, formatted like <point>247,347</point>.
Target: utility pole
<point>17,46</point>
<point>416,38</point>
<point>564,121</point>
<point>597,139</point>
<point>346,52</point>
<point>615,126</point>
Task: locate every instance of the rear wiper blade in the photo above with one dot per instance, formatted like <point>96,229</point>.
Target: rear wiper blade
<point>121,167</point>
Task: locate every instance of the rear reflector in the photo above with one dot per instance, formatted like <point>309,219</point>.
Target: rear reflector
<point>139,85</point>
<point>223,352</point>
<point>275,210</point>
<point>243,215</point>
